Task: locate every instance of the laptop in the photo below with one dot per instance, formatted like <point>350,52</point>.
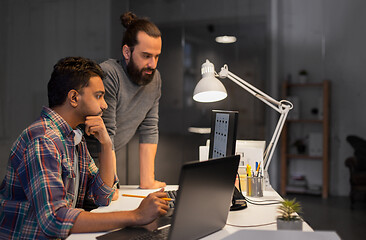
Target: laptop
<point>201,207</point>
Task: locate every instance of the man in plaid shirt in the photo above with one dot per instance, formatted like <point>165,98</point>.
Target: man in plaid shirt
<point>50,172</point>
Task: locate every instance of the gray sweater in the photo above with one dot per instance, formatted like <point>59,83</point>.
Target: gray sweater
<point>131,107</point>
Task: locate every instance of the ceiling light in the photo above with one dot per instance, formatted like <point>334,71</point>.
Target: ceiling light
<point>225,39</point>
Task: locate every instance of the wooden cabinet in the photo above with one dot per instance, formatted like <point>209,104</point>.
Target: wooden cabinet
<point>304,131</point>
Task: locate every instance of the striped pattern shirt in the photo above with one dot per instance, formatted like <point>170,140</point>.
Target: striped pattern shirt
<point>37,193</point>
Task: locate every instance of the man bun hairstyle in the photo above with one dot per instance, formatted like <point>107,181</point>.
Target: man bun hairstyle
<point>70,73</point>
<point>127,18</point>
<point>133,25</point>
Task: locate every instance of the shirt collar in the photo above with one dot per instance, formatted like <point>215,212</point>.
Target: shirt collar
<point>59,122</point>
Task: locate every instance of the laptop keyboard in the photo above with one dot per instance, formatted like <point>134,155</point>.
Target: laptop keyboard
<point>172,194</point>
<point>157,234</point>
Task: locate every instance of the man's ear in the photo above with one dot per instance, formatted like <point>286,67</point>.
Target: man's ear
<point>73,98</point>
<point>126,51</point>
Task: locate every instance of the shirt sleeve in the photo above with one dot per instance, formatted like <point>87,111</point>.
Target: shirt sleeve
<point>41,177</point>
<point>100,193</point>
<point>149,129</point>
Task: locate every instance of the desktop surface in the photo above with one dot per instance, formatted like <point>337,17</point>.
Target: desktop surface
<point>201,205</point>
<point>254,217</point>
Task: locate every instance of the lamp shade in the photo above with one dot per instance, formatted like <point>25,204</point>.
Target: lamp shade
<point>209,88</point>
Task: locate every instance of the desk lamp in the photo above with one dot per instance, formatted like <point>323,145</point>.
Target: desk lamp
<point>210,89</point>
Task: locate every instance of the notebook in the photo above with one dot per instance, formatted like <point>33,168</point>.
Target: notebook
<point>202,204</point>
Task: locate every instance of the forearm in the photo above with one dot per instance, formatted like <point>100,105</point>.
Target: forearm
<point>97,222</point>
<point>107,164</point>
<point>149,209</point>
<point>147,163</point>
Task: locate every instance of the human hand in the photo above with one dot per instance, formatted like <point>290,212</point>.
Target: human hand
<point>154,185</point>
<point>115,195</point>
<point>94,125</point>
<point>151,207</point>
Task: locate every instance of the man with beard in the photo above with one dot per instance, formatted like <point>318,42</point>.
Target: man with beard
<point>133,89</point>
<point>50,172</point>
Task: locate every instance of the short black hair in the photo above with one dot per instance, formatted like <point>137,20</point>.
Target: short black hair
<point>70,73</point>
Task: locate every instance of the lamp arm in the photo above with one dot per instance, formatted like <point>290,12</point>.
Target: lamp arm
<point>251,89</point>
<point>274,140</point>
<point>282,107</point>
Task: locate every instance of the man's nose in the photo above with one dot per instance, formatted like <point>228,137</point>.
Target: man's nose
<point>104,105</point>
<point>153,62</point>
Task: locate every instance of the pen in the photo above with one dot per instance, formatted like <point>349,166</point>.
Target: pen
<point>258,168</point>
<point>139,196</point>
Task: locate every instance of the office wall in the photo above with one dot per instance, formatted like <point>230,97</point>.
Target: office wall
<point>34,35</point>
<point>38,33</point>
<point>188,40</point>
<point>328,39</point>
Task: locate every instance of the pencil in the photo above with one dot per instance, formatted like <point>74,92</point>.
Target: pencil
<point>139,196</point>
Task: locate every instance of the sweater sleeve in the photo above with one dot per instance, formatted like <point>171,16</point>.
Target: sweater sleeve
<point>111,85</point>
<point>148,129</point>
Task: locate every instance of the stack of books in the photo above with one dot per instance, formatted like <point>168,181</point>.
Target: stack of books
<point>297,184</point>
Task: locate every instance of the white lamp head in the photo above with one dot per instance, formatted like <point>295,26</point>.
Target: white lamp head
<point>209,88</point>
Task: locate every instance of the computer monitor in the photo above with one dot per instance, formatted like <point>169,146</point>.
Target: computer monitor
<point>224,125</point>
<point>223,133</point>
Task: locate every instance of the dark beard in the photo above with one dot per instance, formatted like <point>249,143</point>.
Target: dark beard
<point>137,76</point>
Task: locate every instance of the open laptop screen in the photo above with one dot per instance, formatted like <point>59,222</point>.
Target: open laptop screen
<point>204,197</point>
<point>202,203</point>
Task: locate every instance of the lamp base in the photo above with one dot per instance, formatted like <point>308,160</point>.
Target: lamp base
<point>237,207</point>
<point>238,201</point>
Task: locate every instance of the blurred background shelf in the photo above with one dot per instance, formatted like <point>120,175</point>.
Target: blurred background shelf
<point>296,131</point>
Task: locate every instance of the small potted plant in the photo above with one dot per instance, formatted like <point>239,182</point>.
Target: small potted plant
<point>300,146</point>
<point>288,218</point>
<point>303,76</point>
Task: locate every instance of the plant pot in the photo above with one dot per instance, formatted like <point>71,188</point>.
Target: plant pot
<point>301,149</point>
<point>289,225</point>
<point>303,78</point>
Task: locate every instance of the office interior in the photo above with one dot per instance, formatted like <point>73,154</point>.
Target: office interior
<point>275,40</point>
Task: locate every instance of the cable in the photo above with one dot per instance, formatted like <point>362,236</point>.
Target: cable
<point>237,173</point>
<point>262,202</point>
<point>256,202</point>
<point>247,226</point>
<point>267,200</point>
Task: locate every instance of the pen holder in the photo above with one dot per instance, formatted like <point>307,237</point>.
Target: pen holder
<point>243,182</point>
<point>255,186</point>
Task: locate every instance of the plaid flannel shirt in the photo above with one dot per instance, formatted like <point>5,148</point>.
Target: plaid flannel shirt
<point>37,192</point>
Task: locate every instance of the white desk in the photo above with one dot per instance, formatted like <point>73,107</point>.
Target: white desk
<point>253,217</point>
